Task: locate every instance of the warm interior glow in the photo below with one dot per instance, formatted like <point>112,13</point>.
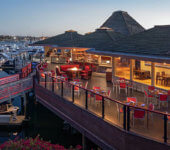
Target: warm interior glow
<point>75,68</point>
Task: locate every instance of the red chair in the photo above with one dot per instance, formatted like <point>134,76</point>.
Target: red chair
<point>151,88</point>
<point>138,114</point>
<point>58,72</point>
<point>122,79</point>
<point>85,76</point>
<point>98,99</point>
<point>131,99</point>
<point>76,80</point>
<point>122,85</point>
<point>151,106</point>
<point>163,99</point>
<point>148,97</point>
<point>65,77</point>
<point>108,93</point>
<point>96,88</point>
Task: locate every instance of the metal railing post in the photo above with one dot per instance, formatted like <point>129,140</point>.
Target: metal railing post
<point>62,88</point>
<point>124,117</point>
<point>128,118</point>
<point>52,84</point>
<point>73,93</point>
<point>86,100</point>
<point>102,107</point>
<point>165,128</point>
<point>45,80</point>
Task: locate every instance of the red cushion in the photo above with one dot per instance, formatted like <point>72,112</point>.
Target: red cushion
<point>65,67</point>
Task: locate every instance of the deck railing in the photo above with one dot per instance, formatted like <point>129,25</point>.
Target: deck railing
<point>14,88</point>
<point>155,125</point>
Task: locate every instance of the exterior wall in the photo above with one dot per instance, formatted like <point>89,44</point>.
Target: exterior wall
<point>102,133</point>
<point>46,48</point>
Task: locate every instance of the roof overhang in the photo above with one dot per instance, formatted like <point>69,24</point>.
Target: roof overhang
<point>132,56</point>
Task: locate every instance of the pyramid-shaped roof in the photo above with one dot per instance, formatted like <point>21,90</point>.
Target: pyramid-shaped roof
<point>152,42</point>
<point>61,39</point>
<point>121,21</point>
<point>100,39</point>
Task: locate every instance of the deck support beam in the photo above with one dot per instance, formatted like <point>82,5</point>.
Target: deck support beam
<point>152,73</point>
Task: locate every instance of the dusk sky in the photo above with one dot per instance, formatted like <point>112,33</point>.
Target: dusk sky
<point>51,17</point>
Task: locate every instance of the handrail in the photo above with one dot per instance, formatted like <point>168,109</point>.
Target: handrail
<point>137,107</point>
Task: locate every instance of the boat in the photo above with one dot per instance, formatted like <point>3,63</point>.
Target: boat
<point>8,109</point>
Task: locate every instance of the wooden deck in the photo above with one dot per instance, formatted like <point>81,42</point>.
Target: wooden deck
<point>152,126</point>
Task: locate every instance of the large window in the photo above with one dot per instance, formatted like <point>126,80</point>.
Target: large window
<point>162,75</point>
<point>142,71</point>
<point>122,67</point>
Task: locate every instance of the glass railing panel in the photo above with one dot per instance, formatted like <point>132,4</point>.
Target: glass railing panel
<point>67,91</point>
<point>49,83</point>
<point>79,96</point>
<point>113,112</point>
<point>57,86</point>
<point>95,103</point>
<point>147,123</point>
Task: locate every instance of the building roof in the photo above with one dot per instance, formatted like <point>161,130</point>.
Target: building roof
<point>154,42</point>
<point>61,39</point>
<point>100,39</point>
<point>121,21</point>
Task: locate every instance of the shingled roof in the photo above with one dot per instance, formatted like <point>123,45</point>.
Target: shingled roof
<point>121,21</point>
<point>100,39</point>
<point>61,39</point>
<point>152,42</point>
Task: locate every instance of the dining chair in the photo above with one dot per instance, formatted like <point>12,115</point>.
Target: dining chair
<point>108,93</point>
<point>122,85</point>
<point>147,97</point>
<point>138,115</point>
<point>151,88</point>
<point>163,98</point>
<point>151,107</point>
<point>76,80</point>
<point>98,99</point>
<point>115,84</point>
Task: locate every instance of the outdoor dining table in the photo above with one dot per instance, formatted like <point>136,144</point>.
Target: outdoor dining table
<point>157,92</point>
<point>76,83</point>
<point>97,91</point>
<point>137,104</point>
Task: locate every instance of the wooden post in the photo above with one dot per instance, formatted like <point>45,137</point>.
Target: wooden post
<point>100,59</point>
<point>152,73</point>
<point>113,67</point>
